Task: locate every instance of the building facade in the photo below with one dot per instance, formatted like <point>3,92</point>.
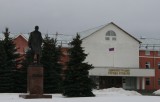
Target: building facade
<point>119,59</point>
<point>21,44</point>
<point>115,55</point>
<point>150,59</point>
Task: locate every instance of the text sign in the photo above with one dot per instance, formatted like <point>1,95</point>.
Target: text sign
<point>118,72</point>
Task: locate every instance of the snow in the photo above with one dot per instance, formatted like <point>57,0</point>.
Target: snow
<point>116,92</point>
<point>105,95</point>
<point>157,92</point>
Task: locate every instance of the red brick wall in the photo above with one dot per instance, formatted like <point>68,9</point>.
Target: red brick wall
<point>153,58</point>
<point>64,57</point>
<point>21,44</point>
<point>64,60</point>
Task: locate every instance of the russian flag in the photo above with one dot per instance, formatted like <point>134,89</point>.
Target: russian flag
<point>111,49</point>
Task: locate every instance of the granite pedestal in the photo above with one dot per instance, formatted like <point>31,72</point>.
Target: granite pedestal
<point>35,83</point>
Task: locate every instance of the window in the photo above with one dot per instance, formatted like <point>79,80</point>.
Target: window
<point>158,53</point>
<point>158,81</point>
<point>147,81</point>
<point>124,80</point>
<point>108,33</point>
<point>26,49</point>
<point>114,38</point>
<point>65,53</point>
<point>107,38</point>
<point>96,80</point>
<point>158,65</point>
<point>147,65</point>
<point>111,35</point>
<point>147,52</point>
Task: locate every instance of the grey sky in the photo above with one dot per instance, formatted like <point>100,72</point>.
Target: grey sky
<point>138,17</point>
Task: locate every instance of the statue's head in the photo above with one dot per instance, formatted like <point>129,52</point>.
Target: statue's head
<point>36,28</point>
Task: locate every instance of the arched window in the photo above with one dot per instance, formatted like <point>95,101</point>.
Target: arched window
<point>110,35</point>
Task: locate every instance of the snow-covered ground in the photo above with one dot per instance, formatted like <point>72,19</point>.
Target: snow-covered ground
<point>157,92</point>
<point>105,95</point>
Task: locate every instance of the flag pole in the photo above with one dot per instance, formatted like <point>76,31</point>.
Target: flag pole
<point>112,50</point>
<point>113,59</point>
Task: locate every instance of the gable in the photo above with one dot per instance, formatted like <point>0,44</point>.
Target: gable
<point>98,48</point>
<point>91,32</point>
<point>20,36</point>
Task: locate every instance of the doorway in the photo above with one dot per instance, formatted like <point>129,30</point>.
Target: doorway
<point>108,82</point>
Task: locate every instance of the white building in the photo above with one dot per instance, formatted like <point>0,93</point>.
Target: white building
<point>115,55</point>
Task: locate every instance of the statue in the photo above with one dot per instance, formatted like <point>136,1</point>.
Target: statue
<point>34,43</point>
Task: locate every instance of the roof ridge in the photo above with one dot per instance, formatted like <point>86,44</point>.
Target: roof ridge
<point>103,27</point>
<point>92,28</point>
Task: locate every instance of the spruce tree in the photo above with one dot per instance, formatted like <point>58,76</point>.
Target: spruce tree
<point>12,60</point>
<point>22,84</point>
<point>52,68</point>
<point>77,82</point>
<point>4,72</point>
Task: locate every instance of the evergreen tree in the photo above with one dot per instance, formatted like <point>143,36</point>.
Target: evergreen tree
<point>22,72</point>
<point>77,82</point>
<point>4,73</point>
<point>52,68</point>
<point>12,61</point>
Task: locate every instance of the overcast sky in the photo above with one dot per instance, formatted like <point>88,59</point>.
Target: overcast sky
<point>138,17</point>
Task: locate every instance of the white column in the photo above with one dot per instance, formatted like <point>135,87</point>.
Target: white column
<point>138,83</point>
<point>123,82</point>
<point>143,83</point>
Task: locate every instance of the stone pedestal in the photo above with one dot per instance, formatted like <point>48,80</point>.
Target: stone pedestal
<point>35,83</point>
<point>35,79</point>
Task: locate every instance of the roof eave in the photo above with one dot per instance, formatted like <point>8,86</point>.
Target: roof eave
<point>125,32</point>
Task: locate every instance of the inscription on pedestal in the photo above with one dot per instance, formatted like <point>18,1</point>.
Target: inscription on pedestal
<point>35,80</point>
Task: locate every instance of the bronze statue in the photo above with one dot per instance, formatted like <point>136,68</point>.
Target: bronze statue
<point>35,42</point>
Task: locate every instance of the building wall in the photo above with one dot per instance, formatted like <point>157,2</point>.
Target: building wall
<point>21,44</point>
<point>64,57</point>
<point>125,54</point>
<point>154,59</point>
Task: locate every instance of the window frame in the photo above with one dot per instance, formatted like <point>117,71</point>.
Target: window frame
<point>147,52</point>
<point>147,81</point>
<point>159,81</point>
<point>148,64</point>
<point>107,38</point>
<point>26,49</point>
<point>158,65</point>
<point>158,53</point>
<point>113,38</point>
<point>110,35</point>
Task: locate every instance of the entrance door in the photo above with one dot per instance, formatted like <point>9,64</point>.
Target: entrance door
<point>108,82</point>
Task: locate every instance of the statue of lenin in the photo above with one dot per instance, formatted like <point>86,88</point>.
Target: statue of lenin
<point>35,42</point>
